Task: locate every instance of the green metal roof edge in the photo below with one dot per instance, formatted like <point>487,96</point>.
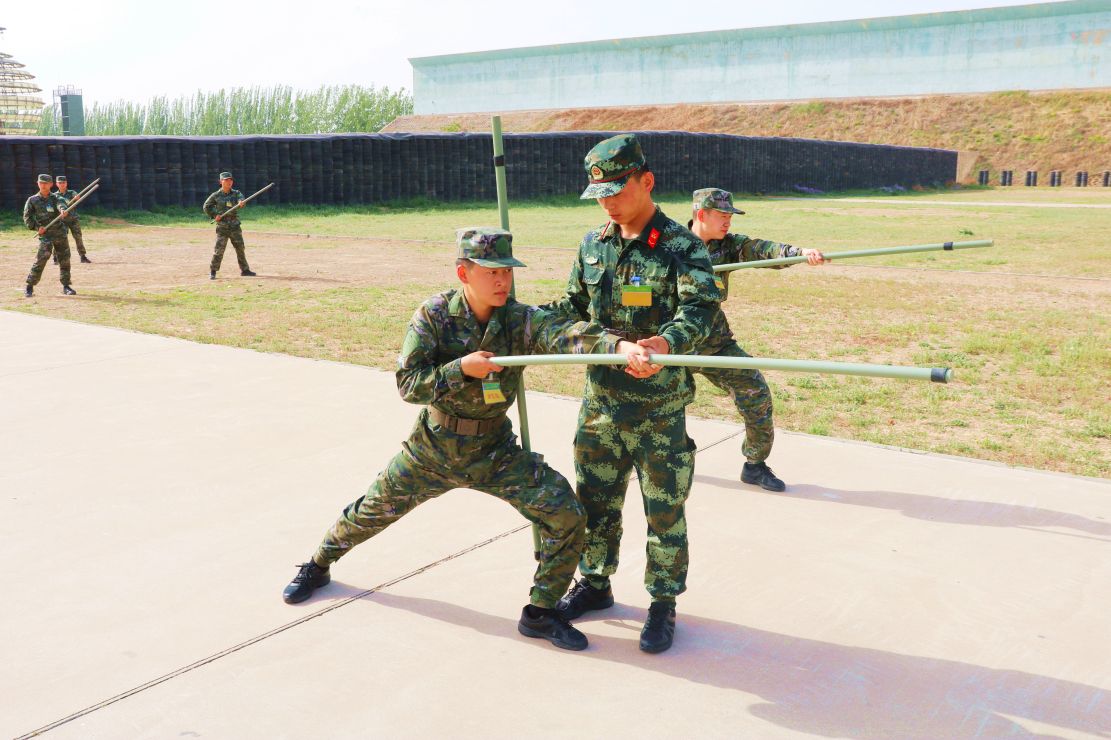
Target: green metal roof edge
<point>886,23</point>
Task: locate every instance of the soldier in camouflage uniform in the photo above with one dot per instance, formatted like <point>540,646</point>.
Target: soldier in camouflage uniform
<point>40,210</point>
<point>463,438</point>
<point>713,213</point>
<point>73,221</point>
<point>648,279</point>
<point>215,206</point>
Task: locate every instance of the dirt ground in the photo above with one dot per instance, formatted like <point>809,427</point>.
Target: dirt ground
<point>1027,389</point>
<point>150,258</point>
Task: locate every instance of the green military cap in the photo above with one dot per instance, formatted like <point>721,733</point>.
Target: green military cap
<point>486,246</point>
<point>46,178</point>
<point>714,199</point>
<point>60,178</point>
<point>226,176</point>
<point>609,164</point>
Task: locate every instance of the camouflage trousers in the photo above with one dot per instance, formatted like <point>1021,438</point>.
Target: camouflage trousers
<point>606,452</point>
<point>47,246</point>
<point>753,399</point>
<point>235,233</point>
<point>434,460</point>
<point>78,241</point>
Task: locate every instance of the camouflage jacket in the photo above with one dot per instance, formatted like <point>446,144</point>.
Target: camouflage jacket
<point>69,196</point>
<point>39,211</point>
<point>743,248</point>
<point>674,263</point>
<point>444,329</point>
<point>738,248</point>
<point>219,202</point>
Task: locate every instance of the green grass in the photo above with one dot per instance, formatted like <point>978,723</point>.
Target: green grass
<point>1053,241</point>
<point>1032,357</point>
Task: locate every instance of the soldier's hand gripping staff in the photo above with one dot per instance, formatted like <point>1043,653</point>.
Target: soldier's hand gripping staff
<point>223,207</point>
<point>73,220</point>
<point>648,279</point>
<point>712,216</point>
<point>463,438</point>
<point>42,214</point>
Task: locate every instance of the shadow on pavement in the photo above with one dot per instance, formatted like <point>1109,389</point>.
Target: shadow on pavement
<point>940,508</point>
<point>823,688</point>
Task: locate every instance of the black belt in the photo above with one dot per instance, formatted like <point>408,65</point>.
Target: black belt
<point>629,336</point>
<point>466,427</point>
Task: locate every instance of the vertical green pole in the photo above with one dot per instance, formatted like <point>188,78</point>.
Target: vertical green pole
<point>503,211</point>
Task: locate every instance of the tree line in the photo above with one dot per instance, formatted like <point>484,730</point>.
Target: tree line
<point>245,110</point>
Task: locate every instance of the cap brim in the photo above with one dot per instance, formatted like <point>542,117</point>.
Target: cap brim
<point>505,262</point>
<point>728,210</point>
<point>604,189</point>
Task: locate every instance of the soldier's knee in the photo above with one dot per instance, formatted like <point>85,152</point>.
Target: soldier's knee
<point>570,520</point>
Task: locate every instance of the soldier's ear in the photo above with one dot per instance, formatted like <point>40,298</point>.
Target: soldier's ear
<point>461,272</point>
<point>648,179</point>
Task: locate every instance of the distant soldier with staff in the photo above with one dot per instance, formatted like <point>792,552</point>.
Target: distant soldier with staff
<point>219,203</point>
<point>72,220</point>
<point>40,211</point>
<point>713,214</point>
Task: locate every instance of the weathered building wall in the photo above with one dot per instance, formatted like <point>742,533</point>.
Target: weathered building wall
<point>1047,46</point>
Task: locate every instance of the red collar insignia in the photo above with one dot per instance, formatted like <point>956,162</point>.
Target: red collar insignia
<point>653,237</point>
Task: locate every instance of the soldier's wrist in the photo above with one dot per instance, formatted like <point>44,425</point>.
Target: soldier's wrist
<point>453,373</point>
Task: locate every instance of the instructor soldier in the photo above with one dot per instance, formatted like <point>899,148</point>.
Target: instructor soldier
<point>648,279</point>
<point>217,204</point>
<point>40,210</point>
<point>713,214</point>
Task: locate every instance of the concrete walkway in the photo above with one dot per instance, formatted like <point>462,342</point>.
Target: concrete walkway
<point>155,496</point>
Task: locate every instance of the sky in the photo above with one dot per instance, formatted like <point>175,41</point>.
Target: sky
<point>136,49</point>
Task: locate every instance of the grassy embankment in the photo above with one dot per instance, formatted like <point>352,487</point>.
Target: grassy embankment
<point>1031,354</point>
<point>1066,130</point>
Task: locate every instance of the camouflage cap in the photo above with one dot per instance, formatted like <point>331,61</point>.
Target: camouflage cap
<point>714,199</point>
<point>60,178</point>
<point>46,178</point>
<point>486,246</point>
<point>609,164</point>
<point>226,176</point>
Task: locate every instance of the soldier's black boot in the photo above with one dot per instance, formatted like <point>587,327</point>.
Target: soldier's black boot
<point>248,273</point>
<point>211,274</point>
<point>584,598</point>
<point>759,474</point>
<point>308,579</point>
<point>549,624</point>
<point>30,290</point>
<point>86,260</point>
<point>659,628</point>
<point>66,290</point>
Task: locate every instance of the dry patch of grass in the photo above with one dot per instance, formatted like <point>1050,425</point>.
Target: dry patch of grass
<point>1065,130</point>
<point>1031,355</point>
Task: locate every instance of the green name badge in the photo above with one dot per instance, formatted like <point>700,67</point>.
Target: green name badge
<point>636,295</point>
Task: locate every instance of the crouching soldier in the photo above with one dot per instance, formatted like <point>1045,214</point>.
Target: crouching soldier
<point>463,438</point>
